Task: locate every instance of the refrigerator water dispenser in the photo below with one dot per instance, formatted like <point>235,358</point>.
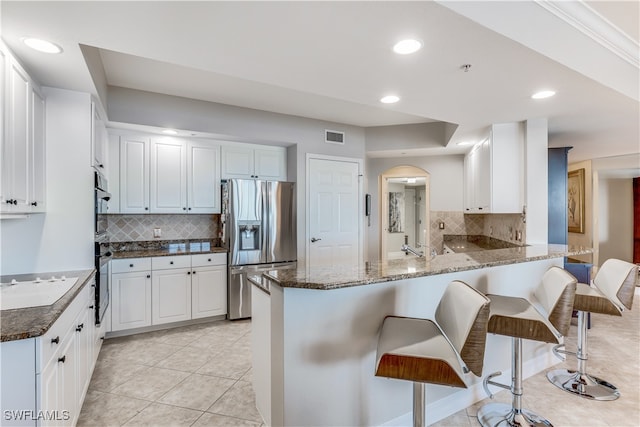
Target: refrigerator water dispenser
<point>249,236</point>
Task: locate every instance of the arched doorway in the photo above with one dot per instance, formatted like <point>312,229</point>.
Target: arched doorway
<point>404,210</point>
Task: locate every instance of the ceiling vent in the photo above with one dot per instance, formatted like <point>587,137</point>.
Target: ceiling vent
<point>334,137</point>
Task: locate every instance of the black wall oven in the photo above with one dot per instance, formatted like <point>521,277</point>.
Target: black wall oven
<point>102,245</point>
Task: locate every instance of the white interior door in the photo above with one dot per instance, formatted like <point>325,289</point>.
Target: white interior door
<point>334,213</point>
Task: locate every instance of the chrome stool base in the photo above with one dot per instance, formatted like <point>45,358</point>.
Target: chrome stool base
<point>583,385</point>
<point>503,415</point>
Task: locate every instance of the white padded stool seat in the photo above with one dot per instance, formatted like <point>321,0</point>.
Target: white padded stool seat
<point>517,317</point>
<point>439,350</point>
<point>417,350</point>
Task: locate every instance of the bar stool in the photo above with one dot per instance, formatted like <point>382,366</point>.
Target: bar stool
<point>438,351</point>
<point>612,291</point>
<point>546,318</point>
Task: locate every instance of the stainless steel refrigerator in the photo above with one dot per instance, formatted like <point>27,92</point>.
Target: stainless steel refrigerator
<point>260,231</point>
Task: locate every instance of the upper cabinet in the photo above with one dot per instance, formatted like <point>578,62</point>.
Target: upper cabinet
<point>134,174</point>
<point>494,180</point>
<point>250,161</point>
<point>23,146</point>
<point>99,140</point>
<point>164,175</point>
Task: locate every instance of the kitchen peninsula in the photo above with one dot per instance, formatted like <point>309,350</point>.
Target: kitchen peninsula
<point>314,333</point>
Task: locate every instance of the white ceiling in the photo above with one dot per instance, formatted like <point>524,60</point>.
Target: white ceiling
<point>333,60</point>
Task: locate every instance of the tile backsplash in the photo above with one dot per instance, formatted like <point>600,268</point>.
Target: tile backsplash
<point>499,226</point>
<point>137,228</point>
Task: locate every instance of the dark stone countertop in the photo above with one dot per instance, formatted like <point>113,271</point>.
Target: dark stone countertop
<point>31,322</point>
<point>471,243</point>
<point>344,276</point>
<point>155,248</point>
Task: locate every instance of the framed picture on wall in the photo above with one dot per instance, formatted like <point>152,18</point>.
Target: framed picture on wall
<point>575,201</point>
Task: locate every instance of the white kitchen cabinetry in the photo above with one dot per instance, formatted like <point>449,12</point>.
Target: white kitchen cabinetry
<point>494,172</point>
<point>168,176</point>
<point>208,285</point>
<point>181,287</point>
<point>37,150</point>
<point>134,174</point>
<point>203,177</point>
<point>23,139</point>
<point>170,289</point>
<point>254,162</point>
<point>99,140</point>
<point>48,376</point>
<point>113,173</point>
<point>130,293</point>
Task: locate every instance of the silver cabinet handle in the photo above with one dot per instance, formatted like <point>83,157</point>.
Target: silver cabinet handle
<point>313,240</point>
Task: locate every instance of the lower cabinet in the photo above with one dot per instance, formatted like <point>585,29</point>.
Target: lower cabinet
<point>167,289</point>
<point>45,379</point>
<point>171,296</point>
<point>130,300</point>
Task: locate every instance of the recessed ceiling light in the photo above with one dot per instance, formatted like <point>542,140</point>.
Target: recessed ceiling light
<point>389,99</point>
<point>41,45</point>
<point>405,47</point>
<point>170,132</point>
<point>543,94</point>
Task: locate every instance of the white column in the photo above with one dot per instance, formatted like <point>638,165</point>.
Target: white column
<point>536,180</point>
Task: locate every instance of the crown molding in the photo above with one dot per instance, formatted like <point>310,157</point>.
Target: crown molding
<point>592,24</point>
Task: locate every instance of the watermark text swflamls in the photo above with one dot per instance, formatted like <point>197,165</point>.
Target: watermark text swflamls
<point>31,415</point>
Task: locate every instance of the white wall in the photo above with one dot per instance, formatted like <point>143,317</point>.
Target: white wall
<point>445,189</point>
<point>244,125</point>
<point>616,219</point>
<point>62,238</point>
<point>536,181</point>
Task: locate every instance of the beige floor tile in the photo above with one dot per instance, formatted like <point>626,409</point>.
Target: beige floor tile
<point>110,374</point>
<point>215,420</point>
<point>214,342</point>
<point>459,419</point>
<point>143,352</point>
<point>197,392</point>
<point>158,415</point>
<point>227,364</point>
<point>188,359</point>
<point>239,401</point>
<point>151,384</point>
<point>104,409</point>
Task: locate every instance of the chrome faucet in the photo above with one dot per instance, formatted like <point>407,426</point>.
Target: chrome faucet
<point>406,249</point>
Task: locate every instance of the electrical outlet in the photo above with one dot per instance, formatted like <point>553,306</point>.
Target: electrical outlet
<point>157,232</point>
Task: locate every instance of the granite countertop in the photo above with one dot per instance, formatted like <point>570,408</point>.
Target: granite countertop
<point>472,243</point>
<point>342,276</point>
<point>165,248</point>
<point>30,322</point>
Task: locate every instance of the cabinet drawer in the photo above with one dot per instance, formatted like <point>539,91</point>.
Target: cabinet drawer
<point>203,260</point>
<point>129,265</point>
<point>166,262</point>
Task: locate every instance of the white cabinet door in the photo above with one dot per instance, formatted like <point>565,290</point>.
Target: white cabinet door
<point>131,300</point>
<point>15,167</point>
<point>98,141</point>
<point>271,164</point>
<point>171,296</point>
<point>83,362</point>
<point>209,291</point>
<point>483,177</point>
<point>5,163</point>
<point>67,365</point>
<point>37,148</point>
<point>168,176</point>
<point>203,177</point>
<point>237,162</point>
<point>113,173</point>
<point>49,391</point>
<point>134,174</point>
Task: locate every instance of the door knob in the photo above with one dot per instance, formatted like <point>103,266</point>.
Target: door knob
<point>313,240</point>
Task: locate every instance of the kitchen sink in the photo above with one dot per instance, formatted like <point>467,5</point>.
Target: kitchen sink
<point>34,293</point>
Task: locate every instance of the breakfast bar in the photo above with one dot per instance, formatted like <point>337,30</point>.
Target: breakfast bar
<point>314,333</point>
